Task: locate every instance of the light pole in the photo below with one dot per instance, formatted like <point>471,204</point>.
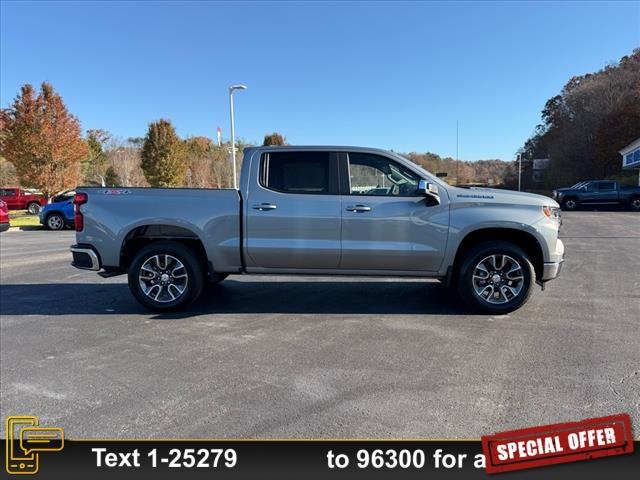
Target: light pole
<point>233,132</point>
<point>519,170</point>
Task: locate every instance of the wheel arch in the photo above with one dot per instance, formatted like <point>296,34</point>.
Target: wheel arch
<point>522,239</point>
<point>48,215</point>
<point>142,235</point>
<point>53,212</point>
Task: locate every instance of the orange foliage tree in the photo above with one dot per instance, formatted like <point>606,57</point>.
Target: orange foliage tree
<point>43,141</point>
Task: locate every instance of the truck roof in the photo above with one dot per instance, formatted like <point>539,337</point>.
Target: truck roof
<point>333,148</point>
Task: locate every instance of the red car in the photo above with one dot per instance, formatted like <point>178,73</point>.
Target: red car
<point>18,199</point>
<point>4,217</point>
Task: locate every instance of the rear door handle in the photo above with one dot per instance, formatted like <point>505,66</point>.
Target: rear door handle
<point>359,208</point>
<point>265,206</point>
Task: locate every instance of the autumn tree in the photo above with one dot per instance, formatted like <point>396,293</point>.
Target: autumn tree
<point>274,139</point>
<point>163,156</point>
<point>43,141</point>
<point>199,158</point>
<point>585,125</point>
<point>8,175</point>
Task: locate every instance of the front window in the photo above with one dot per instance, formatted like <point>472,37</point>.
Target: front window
<point>380,176</point>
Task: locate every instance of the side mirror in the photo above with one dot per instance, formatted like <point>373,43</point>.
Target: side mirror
<point>429,189</point>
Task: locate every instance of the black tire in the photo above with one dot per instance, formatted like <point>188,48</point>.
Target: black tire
<point>569,204</point>
<point>34,208</point>
<point>634,204</point>
<point>191,263</point>
<point>54,221</point>
<point>467,268</point>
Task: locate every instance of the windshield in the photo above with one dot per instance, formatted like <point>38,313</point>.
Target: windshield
<point>425,174</point>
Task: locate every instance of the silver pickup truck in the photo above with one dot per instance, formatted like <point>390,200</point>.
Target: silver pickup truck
<point>325,211</point>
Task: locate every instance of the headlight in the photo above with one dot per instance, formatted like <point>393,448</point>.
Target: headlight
<point>552,212</point>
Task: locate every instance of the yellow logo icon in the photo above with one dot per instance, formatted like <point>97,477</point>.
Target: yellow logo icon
<point>25,440</point>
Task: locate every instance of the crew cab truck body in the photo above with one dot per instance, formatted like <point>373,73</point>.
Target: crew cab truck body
<point>18,199</point>
<point>598,192</point>
<point>327,211</point>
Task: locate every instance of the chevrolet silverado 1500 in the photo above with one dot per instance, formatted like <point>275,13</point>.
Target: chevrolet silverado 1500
<point>326,211</point>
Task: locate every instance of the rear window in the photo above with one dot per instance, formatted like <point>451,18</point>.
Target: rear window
<point>297,172</point>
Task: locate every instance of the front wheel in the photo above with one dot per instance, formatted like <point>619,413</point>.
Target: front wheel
<point>495,277</point>
<point>570,204</point>
<point>166,276</point>
<point>34,208</point>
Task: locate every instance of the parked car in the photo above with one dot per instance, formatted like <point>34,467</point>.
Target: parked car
<point>58,215</point>
<point>297,211</point>
<point>598,192</point>
<point>4,217</point>
<point>18,198</point>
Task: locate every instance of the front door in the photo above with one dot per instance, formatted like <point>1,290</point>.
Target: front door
<point>386,224</point>
<point>10,196</point>
<point>293,214</point>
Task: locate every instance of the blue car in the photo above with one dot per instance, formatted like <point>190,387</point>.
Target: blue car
<point>60,213</point>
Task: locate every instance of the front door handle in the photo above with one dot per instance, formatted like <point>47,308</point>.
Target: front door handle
<point>265,206</point>
<point>359,208</point>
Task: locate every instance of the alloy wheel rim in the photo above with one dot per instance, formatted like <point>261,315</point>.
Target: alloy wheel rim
<point>163,278</point>
<point>636,204</point>
<point>497,279</point>
<point>55,222</point>
<point>570,204</point>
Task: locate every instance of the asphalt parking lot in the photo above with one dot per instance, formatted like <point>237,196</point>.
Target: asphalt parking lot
<point>275,357</point>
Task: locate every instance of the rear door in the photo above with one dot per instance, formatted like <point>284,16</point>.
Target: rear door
<point>293,212</point>
<point>386,224</point>
<point>607,192</point>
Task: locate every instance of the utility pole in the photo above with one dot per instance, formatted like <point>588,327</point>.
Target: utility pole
<point>457,162</point>
<point>519,170</point>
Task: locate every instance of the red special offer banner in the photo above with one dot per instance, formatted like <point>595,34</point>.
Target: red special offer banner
<point>559,443</point>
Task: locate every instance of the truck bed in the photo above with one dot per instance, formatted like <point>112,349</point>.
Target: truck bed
<point>111,215</point>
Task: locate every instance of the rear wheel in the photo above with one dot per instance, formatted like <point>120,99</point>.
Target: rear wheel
<point>634,204</point>
<point>495,277</point>
<point>55,221</point>
<point>166,276</point>
<point>34,208</point>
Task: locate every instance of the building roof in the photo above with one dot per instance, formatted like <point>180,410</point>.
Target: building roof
<point>631,147</point>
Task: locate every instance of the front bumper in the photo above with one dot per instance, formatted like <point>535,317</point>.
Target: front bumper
<point>551,270</point>
<point>85,257</point>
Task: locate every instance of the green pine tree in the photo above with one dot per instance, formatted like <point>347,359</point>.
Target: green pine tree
<point>111,178</point>
<point>163,156</point>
